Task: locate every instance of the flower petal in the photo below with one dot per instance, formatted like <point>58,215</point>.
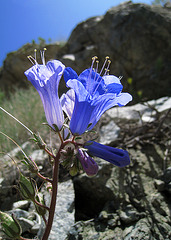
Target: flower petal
<point>67,101</point>
<point>69,73</point>
<point>45,78</point>
<point>88,164</point>
<point>81,116</point>
<point>115,156</point>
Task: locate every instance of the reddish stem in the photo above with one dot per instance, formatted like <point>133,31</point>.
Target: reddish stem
<point>54,196</point>
<point>44,178</point>
<point>41,205</point>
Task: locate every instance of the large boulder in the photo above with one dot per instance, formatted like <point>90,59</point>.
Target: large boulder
<point>137,39</point>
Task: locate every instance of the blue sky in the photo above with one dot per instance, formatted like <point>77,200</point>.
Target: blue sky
<point>21,21</point>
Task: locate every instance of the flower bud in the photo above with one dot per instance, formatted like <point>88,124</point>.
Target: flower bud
<point>10,226</point>
<point>88,164</point>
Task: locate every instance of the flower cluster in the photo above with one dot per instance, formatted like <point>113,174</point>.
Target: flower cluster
<point>89,96</point>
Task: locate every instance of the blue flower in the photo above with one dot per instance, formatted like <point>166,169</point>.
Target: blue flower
<point>93,96</point>
<point>45,78</point>
<point>88,164</point>
<point>115,156</point>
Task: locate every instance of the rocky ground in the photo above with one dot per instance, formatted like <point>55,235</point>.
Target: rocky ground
<point>118,203</point>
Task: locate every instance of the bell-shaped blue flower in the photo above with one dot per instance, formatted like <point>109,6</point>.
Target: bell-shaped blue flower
<point>93,96</point>
<point>45,78</point>
<point>115,156</point>
<point>88,164</point>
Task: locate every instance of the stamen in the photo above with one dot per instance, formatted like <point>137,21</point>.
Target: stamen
<point>120,77</point>
<point>97,66</point>
<point>104,65</point>
<point>106,70</point>
<point>35,51</point>
<point>89,77</point>
<point>42,54</point>
<point>32,60</point>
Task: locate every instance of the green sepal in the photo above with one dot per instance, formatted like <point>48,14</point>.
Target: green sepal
<point>10,226</point>
<point>73,170</point>
<point>27,188</point>
<point>37,138</point>
<point>77,138</point>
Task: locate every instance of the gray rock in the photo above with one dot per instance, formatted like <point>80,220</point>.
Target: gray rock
<point>19,213</point>
<point>160,185</point>
<point>26,224</point>
<point>141,231</point>
<point>145,112</point>
<point>109,133</point>
<point>133,44</point>
<point>129,215</point>
<point>23,204</point>
<point>167,175</point>
<point>64,213</point>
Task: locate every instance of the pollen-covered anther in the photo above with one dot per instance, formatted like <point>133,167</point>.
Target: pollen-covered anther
<point>94,58</point>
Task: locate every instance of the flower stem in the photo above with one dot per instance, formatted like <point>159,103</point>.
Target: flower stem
<point>54,195</point>
<point>44,178</point>
<point>41,205</point>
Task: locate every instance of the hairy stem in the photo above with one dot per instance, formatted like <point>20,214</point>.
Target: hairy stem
<point>44,178</point>
<point>54,196</point>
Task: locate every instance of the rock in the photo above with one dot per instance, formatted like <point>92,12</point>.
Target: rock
<point>159,184</point>
<point>23,204</point>
<point>109,133</point>
<point>64,213</point>
<point>133,44</point>
<point>141,231</point>
<point>129,215</point>
<point>167,175</point>
<point>26,224</point>
<point>143,112</point>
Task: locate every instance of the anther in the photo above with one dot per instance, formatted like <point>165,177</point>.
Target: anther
<point>42,54</point>
<point>94,58</point>
<point>97,62</point>
<point>109,62</point>
<point>32,60</point>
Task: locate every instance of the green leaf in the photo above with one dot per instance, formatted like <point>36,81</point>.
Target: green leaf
<point>10,226</point>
